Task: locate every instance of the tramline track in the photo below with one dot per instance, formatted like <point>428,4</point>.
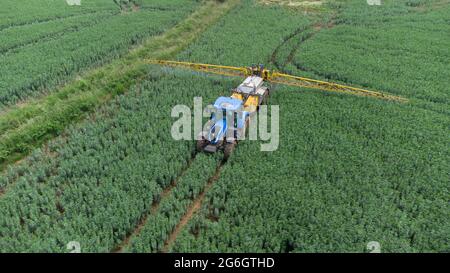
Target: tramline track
<point>193,207</point>
<point>153,208</point>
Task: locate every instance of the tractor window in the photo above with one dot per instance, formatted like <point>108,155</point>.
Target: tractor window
<point>215,131</point>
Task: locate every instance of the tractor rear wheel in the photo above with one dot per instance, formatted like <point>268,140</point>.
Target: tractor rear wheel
<point>201,143</point>
<point>228,150</point>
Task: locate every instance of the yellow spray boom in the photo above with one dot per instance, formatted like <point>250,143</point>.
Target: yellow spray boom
<point>279,78</point>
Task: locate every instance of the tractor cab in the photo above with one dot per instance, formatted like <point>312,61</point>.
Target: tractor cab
<point>228,114</point>
<point>227,119</point>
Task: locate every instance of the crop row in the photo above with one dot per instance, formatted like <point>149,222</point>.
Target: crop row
<point>172,208</point>
<point>219,45</point>
<point>25,128</point>
<point>393,48</point>
<point>344,175</point>
<point>15,38</point>
<point>93,184</point>
<point>50,62</point>
<point>348,170</point>
<point>252,30</point>
<point>16,14</point>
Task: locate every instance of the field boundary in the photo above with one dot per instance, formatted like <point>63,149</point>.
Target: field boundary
<point>28,125</point>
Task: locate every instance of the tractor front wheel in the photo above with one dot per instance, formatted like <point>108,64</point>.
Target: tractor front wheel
<point>201,145</point>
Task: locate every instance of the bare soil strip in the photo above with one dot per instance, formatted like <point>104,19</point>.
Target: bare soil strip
<point>153,209</point>
<point>192,209</point>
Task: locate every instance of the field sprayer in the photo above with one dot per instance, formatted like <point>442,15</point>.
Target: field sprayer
<point>224,130</point>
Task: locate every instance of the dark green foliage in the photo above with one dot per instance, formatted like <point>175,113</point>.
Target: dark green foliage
<point>42,55</point>
<point>252,30</point>
<point>392,48</point>
<point>159,225</point>
<point>344,175</point>
<point>349,170</point>
<point>94,183</point>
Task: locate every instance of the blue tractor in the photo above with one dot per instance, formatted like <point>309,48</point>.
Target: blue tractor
<point>230,119</point>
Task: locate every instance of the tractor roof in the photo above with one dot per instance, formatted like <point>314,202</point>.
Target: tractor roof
<point>228,103</point>
<point>250,84</point>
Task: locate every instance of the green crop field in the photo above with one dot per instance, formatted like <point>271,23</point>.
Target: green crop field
<point>87,152</point>
<point>41,52</point>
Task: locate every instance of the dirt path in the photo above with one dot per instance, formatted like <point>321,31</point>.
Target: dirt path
<point>153,209</point>
<point>192,209</point>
